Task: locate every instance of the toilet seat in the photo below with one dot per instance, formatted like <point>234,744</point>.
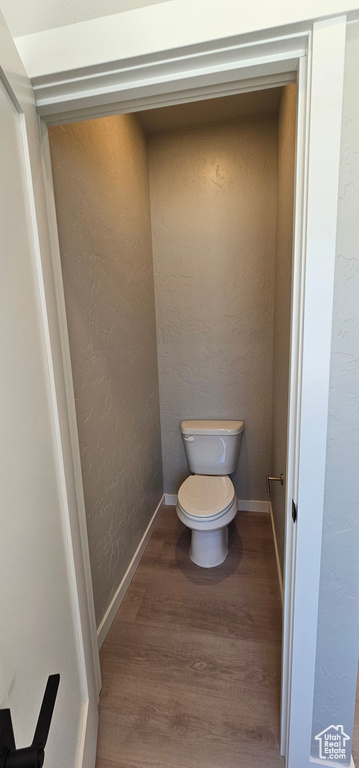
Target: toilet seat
<point>206,497</point>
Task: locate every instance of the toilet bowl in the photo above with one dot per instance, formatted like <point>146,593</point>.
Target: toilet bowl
<point>206,500</point>
<point>207,504</point>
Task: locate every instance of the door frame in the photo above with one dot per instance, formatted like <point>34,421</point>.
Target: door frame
<point>320,112</point>
<point>314,57</point>
<point>18,87</point>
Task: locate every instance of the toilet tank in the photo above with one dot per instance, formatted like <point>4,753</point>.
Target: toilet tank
<point>212,447</point>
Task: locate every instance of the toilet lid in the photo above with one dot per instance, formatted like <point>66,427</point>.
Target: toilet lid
<point>205,495</point>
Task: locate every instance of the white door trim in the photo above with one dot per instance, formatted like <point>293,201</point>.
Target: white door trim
<point>262,63</point>
<point>293,424</point>
<point>19,89</point>
<point>318,202</point>
<point>66,403</point>
<point>190,74</point>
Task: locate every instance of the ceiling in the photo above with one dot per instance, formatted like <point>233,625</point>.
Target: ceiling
<point>24,17</point>
<point>219,110</point>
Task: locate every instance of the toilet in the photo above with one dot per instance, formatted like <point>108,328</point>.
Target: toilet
<point>207,502</point>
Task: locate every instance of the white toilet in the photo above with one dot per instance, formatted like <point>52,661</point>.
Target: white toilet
<point>207,501</point>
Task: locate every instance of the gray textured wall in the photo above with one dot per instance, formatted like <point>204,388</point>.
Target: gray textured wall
<point>338,619</point>
<point>282,304</point>
<point>102,196</point>
<point>213,207</point>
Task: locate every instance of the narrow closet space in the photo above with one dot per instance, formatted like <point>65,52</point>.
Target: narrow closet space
<point>175,228</point>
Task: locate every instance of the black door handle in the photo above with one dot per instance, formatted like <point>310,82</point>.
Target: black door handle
<point>33,756</point>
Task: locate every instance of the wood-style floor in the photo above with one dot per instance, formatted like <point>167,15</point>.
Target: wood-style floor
<point>191,665</point>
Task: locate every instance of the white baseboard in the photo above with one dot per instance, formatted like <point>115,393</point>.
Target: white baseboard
<point>246,505</point>
<point>243,504</point>
<point>279,570</point>
<point>116,601</point>
<point>170,499</point>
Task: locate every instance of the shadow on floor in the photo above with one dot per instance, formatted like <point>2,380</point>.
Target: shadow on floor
<point>209,576</point>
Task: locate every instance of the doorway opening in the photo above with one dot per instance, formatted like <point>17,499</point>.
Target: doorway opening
<point>176,229</point>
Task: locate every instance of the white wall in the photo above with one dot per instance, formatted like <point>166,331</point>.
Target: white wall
<point>161,27</point>
<point>338,618</point>
<point>102,197</point>
<point>24,18</point>
<point>213,209</point>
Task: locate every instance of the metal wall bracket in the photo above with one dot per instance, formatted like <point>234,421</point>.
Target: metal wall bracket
<point>270,479</point>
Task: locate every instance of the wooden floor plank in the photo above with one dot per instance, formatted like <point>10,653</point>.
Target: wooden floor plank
<point>191,665</point>
<point>217,666</point>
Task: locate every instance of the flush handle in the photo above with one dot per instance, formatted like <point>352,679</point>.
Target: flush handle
<point>189,439</point>
<point>270,479</point>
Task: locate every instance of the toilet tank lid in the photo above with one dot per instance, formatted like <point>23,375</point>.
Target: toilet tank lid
<point>211,427</point>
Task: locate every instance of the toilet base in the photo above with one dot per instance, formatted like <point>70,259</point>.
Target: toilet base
<point>209,548</point>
